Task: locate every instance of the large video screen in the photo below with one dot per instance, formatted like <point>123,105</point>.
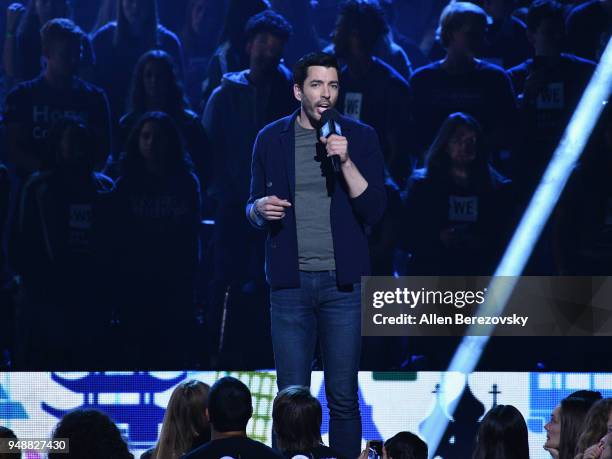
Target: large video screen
<point>32,403</point>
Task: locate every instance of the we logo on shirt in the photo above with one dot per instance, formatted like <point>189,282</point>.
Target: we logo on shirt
<point>463,208</point>
<point>80,216</point>
<point>551,97</point>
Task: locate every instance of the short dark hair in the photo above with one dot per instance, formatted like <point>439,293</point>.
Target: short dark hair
<point>268,21</point>
<point>229,405</point>
<point>590,396</point>
<point>297,417</point>
<point>60,29</point>
<point>542,10</point>
<point>406,445</point>
<point>5,432</point>
<point>92,434</point>
<point>502,433</point>
<point>365,19</point>
<point>300,69</point>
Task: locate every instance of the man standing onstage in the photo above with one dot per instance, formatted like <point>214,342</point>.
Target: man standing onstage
<point>316,247</point>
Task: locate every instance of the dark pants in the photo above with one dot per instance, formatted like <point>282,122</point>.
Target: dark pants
<point>319,309</point>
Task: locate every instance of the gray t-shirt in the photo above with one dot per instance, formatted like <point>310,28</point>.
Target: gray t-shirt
<point>312,204</point>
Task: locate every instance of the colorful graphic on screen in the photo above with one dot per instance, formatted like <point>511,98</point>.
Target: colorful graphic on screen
<point>31,403</point>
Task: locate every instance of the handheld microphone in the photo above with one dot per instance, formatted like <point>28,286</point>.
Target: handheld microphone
<point>329,126</point>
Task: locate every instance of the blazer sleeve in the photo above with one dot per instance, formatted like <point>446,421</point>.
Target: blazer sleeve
<point>370,205</point>
<point>257,181</point>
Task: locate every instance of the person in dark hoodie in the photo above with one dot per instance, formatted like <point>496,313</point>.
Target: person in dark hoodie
<point>157,208</point>
<point>458,206</point>
<point>58,250</point>
<point>245,102</point>
<point>249,99</point>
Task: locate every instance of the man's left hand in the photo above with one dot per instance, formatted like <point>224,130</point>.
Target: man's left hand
<point>336,145</point>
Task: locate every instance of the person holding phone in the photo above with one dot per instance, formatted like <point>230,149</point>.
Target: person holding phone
<point>403,445</point>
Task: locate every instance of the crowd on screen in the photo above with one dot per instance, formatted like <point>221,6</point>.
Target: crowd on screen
<point>203,422</point>
<point>126,125</point>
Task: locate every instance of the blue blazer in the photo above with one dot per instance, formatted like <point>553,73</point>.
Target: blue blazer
<point>273,173</point>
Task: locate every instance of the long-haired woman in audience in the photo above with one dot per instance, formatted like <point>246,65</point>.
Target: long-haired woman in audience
<point>502,435</point>
<point>458,206</point>
<point>120,43</point>
<point>566,423</point>
<point>157,232</point>
<point>597,424</point>
<point>185,425</point>
<point>155,87</point>
<point>200,36</point>
<point>107,12</point>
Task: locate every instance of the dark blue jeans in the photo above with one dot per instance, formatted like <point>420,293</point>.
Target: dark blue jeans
<point>320,309</point>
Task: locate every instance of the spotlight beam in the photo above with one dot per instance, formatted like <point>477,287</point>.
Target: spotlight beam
<point>525,237</point>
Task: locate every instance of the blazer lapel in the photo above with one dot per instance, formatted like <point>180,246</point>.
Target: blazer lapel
<point>287,140</point>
